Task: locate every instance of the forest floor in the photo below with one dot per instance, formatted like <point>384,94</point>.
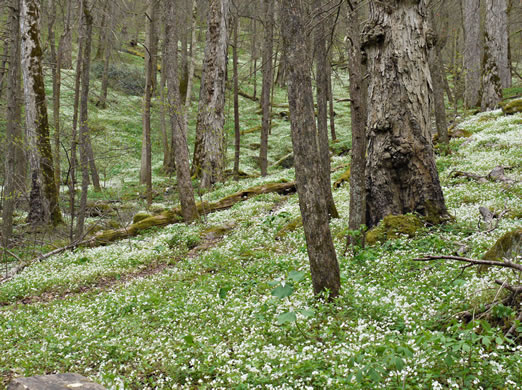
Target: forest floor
<point>227,302</point>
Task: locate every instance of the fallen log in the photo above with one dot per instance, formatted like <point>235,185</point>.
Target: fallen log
<point>172,216</point>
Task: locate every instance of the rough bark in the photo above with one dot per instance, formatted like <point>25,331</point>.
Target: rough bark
<point>358,112</point>
<point>191,61</point>
<point>331,104</point>
<point>312,202</point>
<point>267,69</point>
<point>237,130</point>
<point>66,42</point>
<point>497,27</point>
<point>491,82</point>
<point>321,67</point>
<point>87,20</point>
<point>189,210</point>
<point>107,47</point>
<point>209,151</point>
<point>43,206</point>
<point>13,134</point>
<point>401,176</point>
<point>56,80</point>
<point>253,57</point>
<point>437,77</point>
<point>472,52</point>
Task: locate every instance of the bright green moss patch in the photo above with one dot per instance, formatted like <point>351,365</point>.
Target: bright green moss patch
<point>394,226</point>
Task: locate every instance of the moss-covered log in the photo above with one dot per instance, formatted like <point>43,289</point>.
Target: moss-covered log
<point>172,216</point>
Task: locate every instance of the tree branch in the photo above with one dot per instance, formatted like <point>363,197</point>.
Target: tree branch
<point>504,264</point>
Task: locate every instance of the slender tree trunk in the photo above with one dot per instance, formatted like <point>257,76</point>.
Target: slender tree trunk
<point>179,133</point>
<point>209,151</point>
<point>150,46</point>
<point>237,131</point>
<point>66,48</point>
<point>321,62</point>
<point>331,103</point>
<point>314,209</point>
<point>491,82</point>
<point>358,112</point>
<point>267,83</point>
<point>253,52</point>
<point>437,75</point>
<point>191,61</point>
<point>44,206</point>
<point>102,37</point>
<point>107,47</point>
<point>150,63</point>
<point>3,66</point>
<point>87,20</point>
<point>14,136</point>
<point>400,169</point>
<point>472,52</point>
<point>163,109</point>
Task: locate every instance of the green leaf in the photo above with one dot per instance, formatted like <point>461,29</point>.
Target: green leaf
<point>380,349</point>
<point>499,340</point>
<point>399,363</point>
<point>486,340</point>
<point>223,292</point>
<point>374,375</point>
<point>296,276</point>
<point>286,317</point>
<point>307,313</point>
<point>282,291</point>
<point>274,283</point>
<point>189,339</point>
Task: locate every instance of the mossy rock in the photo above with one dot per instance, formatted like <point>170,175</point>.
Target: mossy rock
<point>99,209</point>
<point>511,107</point>
<point>460,133</point>
<point>140,216</point>
<point>345,177</point>
<point>290,226</point>
<point>509,246</point>
<point>214,232</point>
<point>394,226</point>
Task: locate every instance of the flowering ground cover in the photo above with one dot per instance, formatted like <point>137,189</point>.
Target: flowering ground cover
<point>240,314</point>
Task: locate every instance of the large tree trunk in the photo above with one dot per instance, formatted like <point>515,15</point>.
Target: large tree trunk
<point>14,136</point>
<point>84,115</point>
<point>498,30</point>
<point>150,70</point>
<point>400,169</point>
<point>472,52</point>
<point>358,112</point>
<point>179,132</point>
<point>491,82</point>
<point>43,207</point>
<point>321,62</point>
<point>209,151</point>
<point>268,48</point>
<point>312,202</point>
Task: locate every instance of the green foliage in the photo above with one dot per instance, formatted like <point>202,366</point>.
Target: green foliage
<point>124,78</point>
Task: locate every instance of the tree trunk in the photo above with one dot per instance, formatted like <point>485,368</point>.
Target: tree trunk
<point>209,151</point>
<point>167,167</point>
<point>358,112</point>
<point>66,42</point>
<point>3,66</point>
<point>321,61</point>
<point>314,209</point>
<point>437,75</point>
<point>56,79</point>
<point>237,130</point>
<point>253,57</point>
<point>191,61</point>
<point>107,47</point>
<point>491,82</point>
<point>499,29</point>
<point>150,55</point>
<point>43,207</point>
<point>401,176</point>
<point>331,103</point>
<point>150,65</point>
<point>268,47</point>
<point>176,111</point>
<point>14,136</point>
<point>472,51</point>
<point>87,20</point>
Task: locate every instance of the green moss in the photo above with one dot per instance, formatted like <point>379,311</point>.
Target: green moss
<point>512,106</point>
<point>291,226</point>
<point>140,216</point>
<point>508,246</point>
<point>342,179</point>
<point>213,232</point>
<point>394,226</point>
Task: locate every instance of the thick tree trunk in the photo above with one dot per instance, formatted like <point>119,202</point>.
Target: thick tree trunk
<point>66,42</point>
<point>179,132</point>
<point>358,112</point>
<point>401,176</point>
<point>209,151</point>
<point>13,134</point>
<point>314,208</point>
<point>87,20</point>
<point>237,130</point>
<point>268,47</point>
<point>499,30</point>
<point>472,52</point>
<point>491,82</point>
<point>43,207</point>
<point>321,66</point>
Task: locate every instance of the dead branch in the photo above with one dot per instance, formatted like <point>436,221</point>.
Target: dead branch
<point>504,264</point>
